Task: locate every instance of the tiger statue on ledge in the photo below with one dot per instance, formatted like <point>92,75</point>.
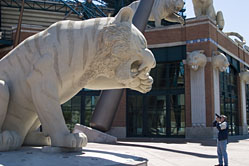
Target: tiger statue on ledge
<point>163,9</point>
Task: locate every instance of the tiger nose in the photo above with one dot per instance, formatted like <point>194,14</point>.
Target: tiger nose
<point>148,60</point>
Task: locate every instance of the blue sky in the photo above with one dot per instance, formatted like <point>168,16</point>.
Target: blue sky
<point>235,12</point>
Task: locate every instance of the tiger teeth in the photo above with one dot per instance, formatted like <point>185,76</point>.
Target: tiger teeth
<point>134,72</point>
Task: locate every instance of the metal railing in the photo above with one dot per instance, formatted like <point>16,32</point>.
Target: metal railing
<point>6,34</point>
<point>6,37</point>
<point>84,10</point>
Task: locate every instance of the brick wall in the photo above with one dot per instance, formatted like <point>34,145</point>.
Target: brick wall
<point>210,39</point>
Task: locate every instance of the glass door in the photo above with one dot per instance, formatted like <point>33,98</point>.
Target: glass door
<point>229,99</point>
<point>135,116</point>
<point>156,115</point>
<point>165,115</point>
<point>177,114</point>
<point>247,105</point>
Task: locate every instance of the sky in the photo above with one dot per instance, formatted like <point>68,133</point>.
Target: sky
<point>235,13</point>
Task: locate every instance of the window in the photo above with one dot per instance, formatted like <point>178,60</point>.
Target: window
<point>72,111</point>
<point>247,104</point>
<point>90,104</point>
<point>168,76</point>
<point>161,112</point>
<point>229,98</point>
<point>80,108</point>
<point>135,114</point>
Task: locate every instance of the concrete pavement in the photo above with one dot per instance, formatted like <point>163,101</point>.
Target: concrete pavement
<point>182,152</point>
<point>158,152</point>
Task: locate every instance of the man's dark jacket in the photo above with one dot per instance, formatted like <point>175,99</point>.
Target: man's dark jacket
<point>223,134</point>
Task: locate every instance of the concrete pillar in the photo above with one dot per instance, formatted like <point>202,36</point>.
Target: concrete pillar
<point>199,130</point>
<point>216,77</point>
<point>197,62</point>
<point>198,101</point>
<point>244,79</point>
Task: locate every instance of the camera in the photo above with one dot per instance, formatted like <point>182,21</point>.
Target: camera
<point>218,116</point>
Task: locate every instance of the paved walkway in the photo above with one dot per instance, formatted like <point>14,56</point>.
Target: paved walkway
<point>179,152</point>
<point>159,152</point>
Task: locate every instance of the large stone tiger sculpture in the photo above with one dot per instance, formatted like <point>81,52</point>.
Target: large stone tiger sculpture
<point>49,68</point>
<point>163,9</point>
<point>206,7</point>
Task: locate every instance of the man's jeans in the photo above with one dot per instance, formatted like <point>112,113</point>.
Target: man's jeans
<point>222,152</point>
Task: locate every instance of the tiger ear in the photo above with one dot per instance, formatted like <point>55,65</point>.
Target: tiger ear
<point>125,15</point>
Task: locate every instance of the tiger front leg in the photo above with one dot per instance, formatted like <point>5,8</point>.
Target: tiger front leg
<point>4,101</point>
<point>44,90</point>
<point>9,140</point>
<point>157,21</point>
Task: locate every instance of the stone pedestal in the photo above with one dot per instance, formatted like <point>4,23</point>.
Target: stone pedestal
<point>119,132</point>
<point>94,135</point>
<point>243,129</point>
<point>201,132</point>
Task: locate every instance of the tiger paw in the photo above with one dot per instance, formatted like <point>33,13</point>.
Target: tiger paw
<point>72,140</point>
<point>9,140</point>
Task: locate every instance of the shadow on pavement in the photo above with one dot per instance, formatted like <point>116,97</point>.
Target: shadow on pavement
<point>115,154</point>
<point>28,156</point>
<point>169,150</point>
<point>202,142</point>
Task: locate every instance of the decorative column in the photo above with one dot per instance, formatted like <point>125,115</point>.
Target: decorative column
<point>197,61</point>
<point>220,64</point>
<point>244,79</point>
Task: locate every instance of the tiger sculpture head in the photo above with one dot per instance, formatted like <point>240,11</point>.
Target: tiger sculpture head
<point>220,61</point>
<point>244,76</point>
<point>123,59</point>
<point>196,59</point>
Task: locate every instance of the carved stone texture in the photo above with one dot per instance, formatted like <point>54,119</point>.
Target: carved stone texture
<point>220,20</point>
<point>163,9</point>
<point>219,61</point>
<point>49,68</point>
<point>205,7</point>
<point>241,38</point>
<point>244,76</point>
<point>246,48</point>
<point>196,59</point>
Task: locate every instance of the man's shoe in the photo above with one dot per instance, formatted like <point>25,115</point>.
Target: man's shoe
<point>218,165</point>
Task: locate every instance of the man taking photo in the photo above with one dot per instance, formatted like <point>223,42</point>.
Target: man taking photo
<point>221,124</point>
